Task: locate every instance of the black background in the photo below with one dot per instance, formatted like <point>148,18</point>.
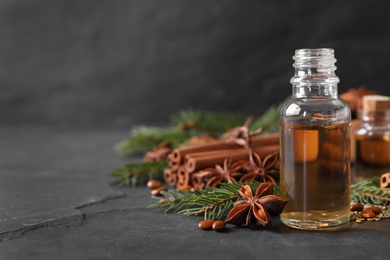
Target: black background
<point>115,64</point>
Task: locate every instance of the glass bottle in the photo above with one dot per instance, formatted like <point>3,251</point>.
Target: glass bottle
<point>373,138</point>
<point>315,145</point>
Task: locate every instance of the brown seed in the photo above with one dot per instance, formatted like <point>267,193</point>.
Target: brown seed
<point>154,184</point>
<point>367,214</point>
<point>157,192</point>
<point>356,207</point>
<point>218,225</point>
<point>377,210</point>
<point>185,187</point>
<point>206,224</point>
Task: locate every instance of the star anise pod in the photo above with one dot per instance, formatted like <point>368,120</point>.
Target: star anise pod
<point>258,208</point>
<point>262,170</point>
<point>228,173</point>
<point>159,152</point>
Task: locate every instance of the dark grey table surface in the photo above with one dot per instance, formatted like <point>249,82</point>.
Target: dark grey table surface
<point>56,203</point>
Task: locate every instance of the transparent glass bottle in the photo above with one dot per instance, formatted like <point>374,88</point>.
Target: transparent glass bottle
<point>373,138</point>
<point>315,145</point>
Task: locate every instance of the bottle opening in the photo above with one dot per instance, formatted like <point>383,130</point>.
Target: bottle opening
<point>322,58</point>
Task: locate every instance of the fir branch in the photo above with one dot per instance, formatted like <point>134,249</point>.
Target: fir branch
<point>269,121</point>
<point>369,192</point>
<point>143,138</point>
<point>207,122</point>
<point>213,203</point>
<point>137,174</point>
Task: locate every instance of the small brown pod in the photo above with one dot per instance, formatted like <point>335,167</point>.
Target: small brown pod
<point>206,224</point>
<point>157,192</point>
<point>356,207</point>
<point>219,225</point>
<point>367,214</point>
<point>377,210</point>
<point>185,187</point>
<point>154,184</point>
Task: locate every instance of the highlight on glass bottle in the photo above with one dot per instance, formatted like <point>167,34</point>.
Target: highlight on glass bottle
<point>373,138</point>
<point>315,145</point>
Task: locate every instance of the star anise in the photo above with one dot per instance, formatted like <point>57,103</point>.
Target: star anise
<point>159,152</point>
<point>262,170</point>
<point>258,208</point>
<point>228,173</point>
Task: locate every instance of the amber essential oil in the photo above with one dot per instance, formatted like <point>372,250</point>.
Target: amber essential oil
<point>373,150</point>
<point>372,157</point>
<point>316,175</point>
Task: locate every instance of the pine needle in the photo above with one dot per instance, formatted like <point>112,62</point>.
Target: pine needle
<point>269,121</point>
<point>144,138</point>
<point>207,122</point>
<point>369,192</point>
<point>137,174</point>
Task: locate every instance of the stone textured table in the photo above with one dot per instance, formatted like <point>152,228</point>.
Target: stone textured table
<point>56,203</point>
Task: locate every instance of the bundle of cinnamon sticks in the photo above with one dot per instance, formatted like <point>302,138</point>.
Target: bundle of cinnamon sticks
<point>186,163</point>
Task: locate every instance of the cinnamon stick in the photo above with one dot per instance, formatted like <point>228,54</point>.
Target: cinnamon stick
<point>198,161</point>
<point>183,177</point>
<point>170,177</point>
<point>267,139</point>
<point>193,164</point>
<point>179,154</point>
<point>174,165</point>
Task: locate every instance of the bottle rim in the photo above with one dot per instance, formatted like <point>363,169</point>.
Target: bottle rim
<point>317,57</point>
<point>315,51</point>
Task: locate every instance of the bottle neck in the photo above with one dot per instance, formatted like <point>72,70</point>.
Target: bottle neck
<point>314,74</point>
<point>314,89</point>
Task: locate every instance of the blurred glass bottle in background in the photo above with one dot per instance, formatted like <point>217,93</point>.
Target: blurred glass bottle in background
<point>373,138</point>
